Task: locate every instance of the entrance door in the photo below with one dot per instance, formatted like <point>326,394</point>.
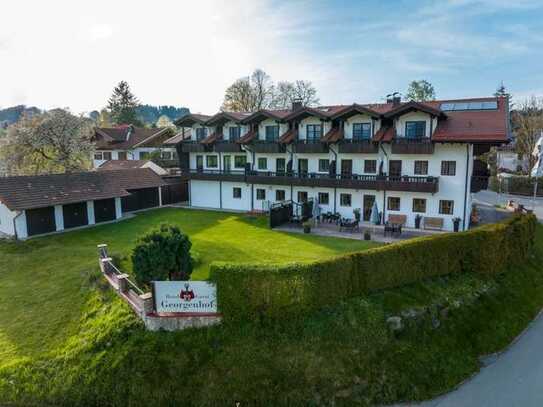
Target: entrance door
<point>368,202</point>
<point>302,166</point>
<point>226,163</point>
<point>200,162</point>
<point>395,169</point>
<point>280,165</point>
<point>346,168</point>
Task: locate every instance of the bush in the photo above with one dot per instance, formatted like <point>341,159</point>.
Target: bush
<point>259,292</point>
<point>162,254</point>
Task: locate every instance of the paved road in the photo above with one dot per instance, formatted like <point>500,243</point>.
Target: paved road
<point>490,198</point>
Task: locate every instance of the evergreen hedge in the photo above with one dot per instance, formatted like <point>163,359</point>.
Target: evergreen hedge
<point>261,292</point>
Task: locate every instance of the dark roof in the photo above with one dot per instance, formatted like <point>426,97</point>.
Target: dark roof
<point>288,137</point>
<point>121,164</point>
<point>354,109</point>
<point>333,135</point>
<point>224,117</point>
<point>213,137</point>
<point>403,108</point>
<point>248,137</point>
<point>190,119</point>
<point>179,137</point>
<point>127,137</point>
<point>27,192</point>
<point>385,133</point>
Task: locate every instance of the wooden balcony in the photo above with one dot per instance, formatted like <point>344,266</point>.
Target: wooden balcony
<point>349,146</point>
<point>215,175</point>
<point>191,146</point>
<point>226,146</point>
<point>311,147</point>
<point>412,146</point>
<point>270,147</point>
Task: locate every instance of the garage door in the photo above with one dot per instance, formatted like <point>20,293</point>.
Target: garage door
<point>175,193</point>
<point>104,210</point>
<point>140,199</point>
<point>40,221</point>
<point>75,215</point>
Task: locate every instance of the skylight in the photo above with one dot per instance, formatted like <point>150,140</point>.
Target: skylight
<point>493,105</point>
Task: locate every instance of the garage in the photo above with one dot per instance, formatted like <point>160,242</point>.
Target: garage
<point>143,198</point>
<point>41,220</point>
<point>175,193</point>
<point>75,215</point>
<point>104,210</point>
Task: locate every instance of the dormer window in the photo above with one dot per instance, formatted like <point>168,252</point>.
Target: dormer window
<point>272,133</point>
<point>234,133</point>
<point>361,131</point>
<point>313,132</point>
<point>415,129</point>
<point>201,133</point>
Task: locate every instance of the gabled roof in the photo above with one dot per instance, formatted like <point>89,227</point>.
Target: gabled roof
<point>184,134</point>
<point>354,109</point>
<point>248,137</point>
<point>333,135</point>
<point>288,137</point>
<point>385,133</point>
<point>223,117</point>
<point>211,138</point>
<point>307,112</point>
<point>191,119</point>
<point>413,106</point>
<point>264,114</point>
<point>127,137</point>
<point>38,191</point>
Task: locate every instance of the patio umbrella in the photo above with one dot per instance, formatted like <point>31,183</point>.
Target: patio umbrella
<point>374,217</point>
<point>316,211</point>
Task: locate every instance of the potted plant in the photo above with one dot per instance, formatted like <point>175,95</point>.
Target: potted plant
<point>456,224</point>
<point>418,218</point>
<point>307,226</point>
<point>367,234</point>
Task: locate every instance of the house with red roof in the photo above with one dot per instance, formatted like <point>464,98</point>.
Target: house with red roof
<point>415,161</point>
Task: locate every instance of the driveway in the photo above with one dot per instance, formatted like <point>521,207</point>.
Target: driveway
<point>490,198</point>
<point>515,378</point>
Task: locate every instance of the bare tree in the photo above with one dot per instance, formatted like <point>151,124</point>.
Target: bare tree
<point>259,92</point>
<point>420,91</point>
<point>528,124</point>
<point>56,141</point>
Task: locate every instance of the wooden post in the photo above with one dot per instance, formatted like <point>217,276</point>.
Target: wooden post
<point>103,264</point>
<point>122,283</point>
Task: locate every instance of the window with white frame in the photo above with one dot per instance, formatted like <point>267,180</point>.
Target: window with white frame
<point>313,132</point>
<point>345,199</point>
<point>446,207</point>
<point>272,133</point>
<point>324,198</point>
<point>421,168</point>
<point>324,165</point>
<point>201,133</point>
<point>260,194</point>
<point>361,131</point>
<point>415,129</point>
<point>262,163</point>
<point>234,133</point>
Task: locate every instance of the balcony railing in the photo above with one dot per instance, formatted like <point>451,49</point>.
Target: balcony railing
<point>267,146</point>
<point>402,145</point>
<point>310,146</point>
<point>358,146</point>
<point>192,146</point>
<point>226,146</point>
<point>311,179</point>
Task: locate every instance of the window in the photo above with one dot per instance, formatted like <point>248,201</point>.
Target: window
<point>395,168</point>
<point>302,166</point>
<point>144,155</point>
<point>121,155</point>
<point>98,155</point>
<point>262,163</point>
<point>199,162</point>
<point>469,106</point>
<point>280,195</point>
<point>345,199</point>
<point>415,129</point>
<point>260,194</point>
<point>240,161</point>
<point>419,205</point>
<point>107,155</point>
<point>421,168</point>
<point>370,166</point>
<point>236,192</point>
<point>272,133</point>
<point>234,133</point>
<point>211,161</point>
<point>361,131</point>
<point>302,196</point>
<point>313,132</point>
<point>166,155</point>
<point>446,207</point>
<point>448,167</point>
<point>393,203</point>
<point>280,165</point>
<point>201,133</point>
<point>324,165</point>
<point>324,198</point>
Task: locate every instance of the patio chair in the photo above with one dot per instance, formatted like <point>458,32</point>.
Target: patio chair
<point>394,224</point>
<point>349,225</point>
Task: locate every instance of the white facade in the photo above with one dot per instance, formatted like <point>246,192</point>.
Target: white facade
<point>139,153</point>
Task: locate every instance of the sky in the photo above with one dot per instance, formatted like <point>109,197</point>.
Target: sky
<point>59,53</point>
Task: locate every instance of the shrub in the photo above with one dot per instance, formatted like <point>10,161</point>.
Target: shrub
<point>162,254</point>
<point>259,292</point>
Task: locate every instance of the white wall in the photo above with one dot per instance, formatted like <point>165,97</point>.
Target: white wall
<point>59,218</point>
<point>302,127</point>
<point>226,129</point>
<point>283,127</point>
<point>90,212</point>
<point>204,194</point>
<point>130,154</point>
<point>6,220</point>
<point>240,204</point>
<point>359,118</point>
<point>413,116</point>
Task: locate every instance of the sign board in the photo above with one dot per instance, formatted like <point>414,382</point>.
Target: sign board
<point>185,297</point>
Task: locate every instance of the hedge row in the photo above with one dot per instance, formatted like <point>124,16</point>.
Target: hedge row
<point>259,292</point>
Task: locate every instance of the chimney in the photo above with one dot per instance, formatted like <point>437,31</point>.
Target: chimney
<point>296,104</point>
<point>396,98</point>
<point>129,132</point>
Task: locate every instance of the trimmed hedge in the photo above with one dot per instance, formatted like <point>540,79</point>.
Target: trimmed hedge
<point>260,292</point>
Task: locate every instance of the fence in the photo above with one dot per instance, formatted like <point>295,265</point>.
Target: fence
<point>516,185</point>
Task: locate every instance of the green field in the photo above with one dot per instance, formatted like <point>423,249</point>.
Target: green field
<point>67,339</point>
<point>44,281</point>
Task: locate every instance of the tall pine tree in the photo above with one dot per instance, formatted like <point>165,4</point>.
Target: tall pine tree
<point>122,105</point>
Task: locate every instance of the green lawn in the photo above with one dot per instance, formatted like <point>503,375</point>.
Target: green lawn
<point>67,339</point>
<point>44,281</point>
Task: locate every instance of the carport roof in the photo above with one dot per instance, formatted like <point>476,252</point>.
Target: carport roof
<point>38,191</point>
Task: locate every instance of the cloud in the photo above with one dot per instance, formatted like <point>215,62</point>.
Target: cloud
<point>99,32</point>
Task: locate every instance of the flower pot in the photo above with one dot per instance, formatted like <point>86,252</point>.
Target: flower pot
<point>307,229</point>
<point>456,225</point>
<point>417,222</point>
<point>367,235</point>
